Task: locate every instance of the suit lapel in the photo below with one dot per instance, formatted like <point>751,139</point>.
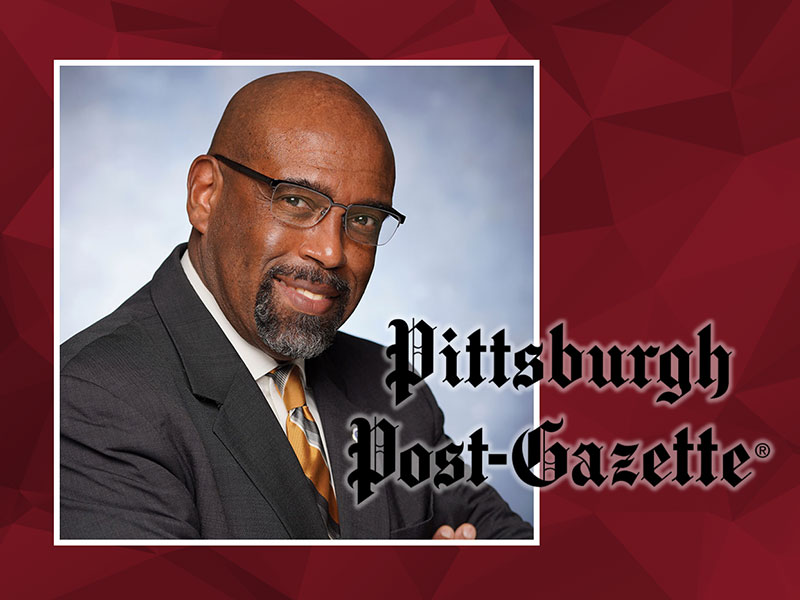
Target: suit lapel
<point>245,425</point>
<point>249,430</point>
<point>369,520</point>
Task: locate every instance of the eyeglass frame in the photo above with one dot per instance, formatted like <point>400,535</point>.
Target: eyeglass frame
<point>274,183</point>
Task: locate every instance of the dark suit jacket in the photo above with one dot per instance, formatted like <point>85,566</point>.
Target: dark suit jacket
<point>165,434</point>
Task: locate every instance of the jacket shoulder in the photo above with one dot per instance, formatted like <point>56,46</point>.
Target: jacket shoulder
<point>116,343</point>
<point>356,359</point>
<point>346,346</point>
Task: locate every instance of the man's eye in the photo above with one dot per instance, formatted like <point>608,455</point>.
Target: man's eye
<point>364,222</point>
<point>293,202</point>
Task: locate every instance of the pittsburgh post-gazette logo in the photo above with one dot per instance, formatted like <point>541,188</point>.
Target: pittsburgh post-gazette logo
<point>686,458</point>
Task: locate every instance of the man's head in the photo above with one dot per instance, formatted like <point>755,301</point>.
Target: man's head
<point>286,288</point>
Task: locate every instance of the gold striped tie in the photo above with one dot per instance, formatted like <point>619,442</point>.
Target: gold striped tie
<point>305,439</point>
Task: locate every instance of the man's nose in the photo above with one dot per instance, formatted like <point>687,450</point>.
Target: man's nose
<point>324,242</point>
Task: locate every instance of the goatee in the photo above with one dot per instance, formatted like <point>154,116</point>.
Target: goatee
<point>295,334</point>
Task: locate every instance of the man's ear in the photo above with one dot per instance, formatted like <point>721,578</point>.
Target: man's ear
<point>204,186</point>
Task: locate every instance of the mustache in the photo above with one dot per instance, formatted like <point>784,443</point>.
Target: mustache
<point>310,274</point>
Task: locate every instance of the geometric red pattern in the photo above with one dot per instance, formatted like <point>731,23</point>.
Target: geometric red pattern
<point>670,165</point>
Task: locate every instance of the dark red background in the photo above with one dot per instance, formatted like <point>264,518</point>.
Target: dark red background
<point>670,164</point>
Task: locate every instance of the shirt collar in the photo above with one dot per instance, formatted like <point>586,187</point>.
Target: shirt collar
<point>258,362</point>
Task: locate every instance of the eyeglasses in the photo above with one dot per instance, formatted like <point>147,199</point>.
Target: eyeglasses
<point>303,207</point>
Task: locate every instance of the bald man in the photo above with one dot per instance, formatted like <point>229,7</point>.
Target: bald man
<point>217,401</point>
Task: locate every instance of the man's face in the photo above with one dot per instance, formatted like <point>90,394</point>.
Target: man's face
<point>286,288</point>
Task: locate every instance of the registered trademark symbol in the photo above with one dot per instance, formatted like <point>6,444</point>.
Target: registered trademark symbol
<point>762,450</point>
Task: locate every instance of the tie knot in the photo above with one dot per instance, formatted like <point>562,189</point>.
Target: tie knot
<point>290,385</point>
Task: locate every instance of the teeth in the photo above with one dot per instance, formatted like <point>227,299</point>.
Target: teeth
<point>310,295</point>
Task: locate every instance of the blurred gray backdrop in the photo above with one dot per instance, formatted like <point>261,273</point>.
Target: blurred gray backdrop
<point>463,141</point>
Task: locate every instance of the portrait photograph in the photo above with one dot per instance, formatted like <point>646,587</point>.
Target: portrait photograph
<point>428,173</point>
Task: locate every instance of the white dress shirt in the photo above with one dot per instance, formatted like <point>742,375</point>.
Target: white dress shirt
<point>258,362</point>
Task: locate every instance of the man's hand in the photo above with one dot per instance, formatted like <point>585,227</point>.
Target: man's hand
<point>464,532</point>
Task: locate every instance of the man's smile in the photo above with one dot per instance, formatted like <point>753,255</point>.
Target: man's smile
<point>306,297</point>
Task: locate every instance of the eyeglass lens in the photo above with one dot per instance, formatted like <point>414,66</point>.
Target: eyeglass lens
<point>302,207</point>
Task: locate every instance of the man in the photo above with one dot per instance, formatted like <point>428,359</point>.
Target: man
<point>217,401</point>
